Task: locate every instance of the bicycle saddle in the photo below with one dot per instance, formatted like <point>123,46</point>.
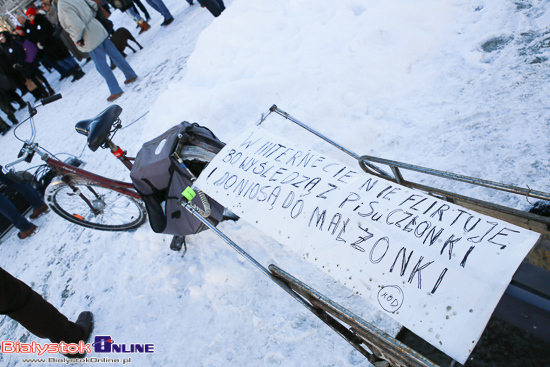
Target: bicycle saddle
<point>97,129</point>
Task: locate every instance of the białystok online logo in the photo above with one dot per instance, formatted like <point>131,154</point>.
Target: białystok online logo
<point>106,344</point>
<point>101,344</point>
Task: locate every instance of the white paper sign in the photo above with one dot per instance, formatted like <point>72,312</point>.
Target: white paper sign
<point>437,268</point>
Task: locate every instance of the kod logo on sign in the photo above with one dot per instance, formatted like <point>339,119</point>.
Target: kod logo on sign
<point>106,344</point>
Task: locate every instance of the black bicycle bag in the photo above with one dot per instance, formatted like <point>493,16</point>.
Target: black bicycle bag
<point>165,167</point>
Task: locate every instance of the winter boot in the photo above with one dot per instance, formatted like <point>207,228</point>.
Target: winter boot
<point>86,322</point>
<point>77,73</point>
<point>50,91</point>
<point>143,25</point>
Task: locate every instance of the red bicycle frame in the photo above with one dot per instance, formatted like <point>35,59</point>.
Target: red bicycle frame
<point>125,188</point>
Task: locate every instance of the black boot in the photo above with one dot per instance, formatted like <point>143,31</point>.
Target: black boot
<point>86,322</point>
<point>77,74</point>
<point>65,76</point>
<point>50,91</point>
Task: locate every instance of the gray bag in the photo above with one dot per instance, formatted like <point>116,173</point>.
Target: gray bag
<point>165,167</point>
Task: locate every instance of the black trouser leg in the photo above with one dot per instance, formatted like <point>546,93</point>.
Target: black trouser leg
<point>8,110</point>
<point>143,9</point>
<point>42,78</point>
<point>15,97</point>
<point>3,125</point>
<point>21,303</point>
<point>40,91</point>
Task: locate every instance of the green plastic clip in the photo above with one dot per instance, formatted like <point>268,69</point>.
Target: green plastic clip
<point>189,193</point>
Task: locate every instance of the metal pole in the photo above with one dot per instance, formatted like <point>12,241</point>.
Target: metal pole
<point>278,111</point>
<point>317,312</point>
<point>457,177</point>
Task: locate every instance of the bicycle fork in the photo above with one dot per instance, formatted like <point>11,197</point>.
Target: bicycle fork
<point>96,211</point>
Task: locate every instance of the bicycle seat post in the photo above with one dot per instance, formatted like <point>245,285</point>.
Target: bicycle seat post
<point>119,153</point>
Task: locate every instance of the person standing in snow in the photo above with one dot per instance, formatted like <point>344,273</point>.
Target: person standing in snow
<point>51,14</point>
<point>127,6</point>
<point>19,302</point>
<point>54,49</point>
<point>159,6</point>
<point>8,210</point>
<point>77,17</point>
<point>22,54</point>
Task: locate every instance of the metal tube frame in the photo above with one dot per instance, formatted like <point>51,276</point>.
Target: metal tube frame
<point>382,345</point>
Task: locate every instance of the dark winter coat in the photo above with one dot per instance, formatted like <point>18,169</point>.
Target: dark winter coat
<point>121,5</point>
<point>14,50</point>
<point>28,29</point>
<point>51,15</point>
<point>52,46</point>
<point>15,78</point>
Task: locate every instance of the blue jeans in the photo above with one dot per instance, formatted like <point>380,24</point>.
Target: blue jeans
<point>8,210</point>
<point>132,13</point>
<point>159,6</point>
<point>65,65</point>
<point>99,57</point>
<point>68,64</point>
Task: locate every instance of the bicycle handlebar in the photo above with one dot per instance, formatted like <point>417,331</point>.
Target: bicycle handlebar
<point>29,143</point>
<point>51,99</point>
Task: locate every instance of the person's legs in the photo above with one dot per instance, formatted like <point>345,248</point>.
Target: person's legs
<point>99,58</point>
<point>69,63</point>
<point>8,210</point>
<point>15,97</point>
<point>143,9</point>
<point>133,14</point>
<point>4,127</point>
<point>42,78</point>
<point>40,91</point>
<point>8,109</point>
<point>61,69</point>
<point>119,60</point>
<point>159,6</point>
<point>32,196</point>
<point>21,303</point>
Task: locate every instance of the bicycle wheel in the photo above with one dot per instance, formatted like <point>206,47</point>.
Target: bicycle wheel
<point>113,211</point>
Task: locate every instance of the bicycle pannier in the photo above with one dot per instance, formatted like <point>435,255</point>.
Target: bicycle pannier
<point>165,166</point>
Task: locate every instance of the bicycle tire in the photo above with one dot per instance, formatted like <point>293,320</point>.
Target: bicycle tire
<point>119,212</point>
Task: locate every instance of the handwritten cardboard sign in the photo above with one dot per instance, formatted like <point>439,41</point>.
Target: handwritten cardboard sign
<point>437,268</point>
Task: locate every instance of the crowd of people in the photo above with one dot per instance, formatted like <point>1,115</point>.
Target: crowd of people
<point>56,37</point>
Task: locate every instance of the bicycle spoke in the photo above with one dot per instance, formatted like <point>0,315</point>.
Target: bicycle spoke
<point>106,209</point>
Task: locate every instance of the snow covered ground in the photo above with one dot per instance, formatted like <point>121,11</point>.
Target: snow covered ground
<point>459,86</point>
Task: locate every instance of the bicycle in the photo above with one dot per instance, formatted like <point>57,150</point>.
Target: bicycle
<point>80,196</point>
